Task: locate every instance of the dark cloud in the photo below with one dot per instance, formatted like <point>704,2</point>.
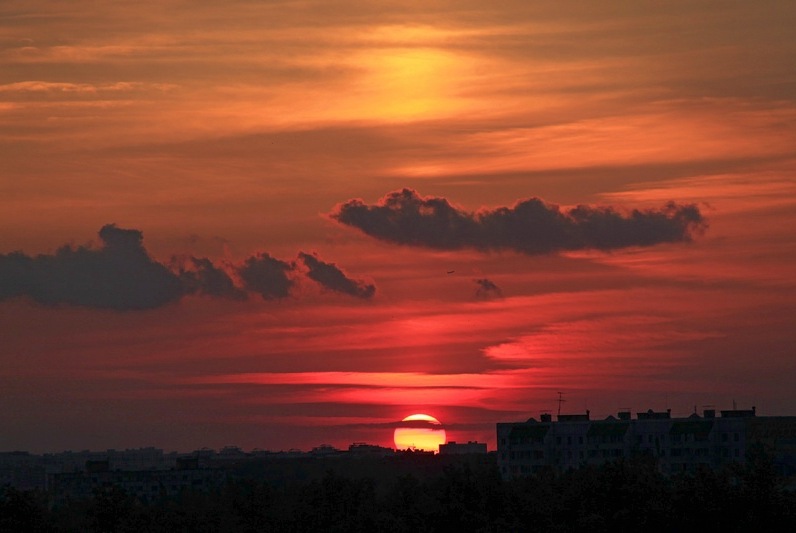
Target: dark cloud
<point>119,275</point>
<point>331,277</point>
<point>487,289</point>
<point>267,276</point>
<point>531,226</point>
<point>201,276</point>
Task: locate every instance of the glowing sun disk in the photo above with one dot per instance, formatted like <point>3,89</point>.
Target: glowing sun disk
<point>420,432</point>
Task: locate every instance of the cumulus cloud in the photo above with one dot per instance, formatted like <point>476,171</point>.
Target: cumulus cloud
<point>201,276</point>
<point>267,276</point>
<point>487,289</point>
<point>120,275</point>
<point>331,277</point>
<point>531,226</point>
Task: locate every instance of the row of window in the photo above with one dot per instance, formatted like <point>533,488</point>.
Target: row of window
<point>608,439</point>
<point>674,467</point>
<point>538,455</point>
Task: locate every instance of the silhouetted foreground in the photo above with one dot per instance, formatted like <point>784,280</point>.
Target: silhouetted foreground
<point>628,495</point>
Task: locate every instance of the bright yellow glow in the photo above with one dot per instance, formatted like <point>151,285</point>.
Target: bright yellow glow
<point>412,82</point>
<point>409,75</point>
<point>413,35</point>
<point>423,432</point>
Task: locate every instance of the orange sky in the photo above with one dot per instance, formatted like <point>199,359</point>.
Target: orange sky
<point>224,132</point>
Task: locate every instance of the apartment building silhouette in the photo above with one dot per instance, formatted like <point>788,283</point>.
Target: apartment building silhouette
<point>678,444</point>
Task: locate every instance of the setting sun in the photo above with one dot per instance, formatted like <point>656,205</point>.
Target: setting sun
<point>419,432</point>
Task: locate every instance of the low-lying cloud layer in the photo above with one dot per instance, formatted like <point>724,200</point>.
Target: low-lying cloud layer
<point>531,226</point>
<point>121,275</point>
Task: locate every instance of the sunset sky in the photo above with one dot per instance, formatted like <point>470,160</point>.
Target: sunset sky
<point>277,224</point>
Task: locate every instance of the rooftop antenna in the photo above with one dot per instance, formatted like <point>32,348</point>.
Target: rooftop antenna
<point>560,401</point>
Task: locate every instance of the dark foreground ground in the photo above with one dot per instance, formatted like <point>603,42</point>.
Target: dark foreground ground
<point>429,494</point>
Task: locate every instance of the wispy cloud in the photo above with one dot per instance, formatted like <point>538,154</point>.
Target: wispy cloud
<point>37,86</point>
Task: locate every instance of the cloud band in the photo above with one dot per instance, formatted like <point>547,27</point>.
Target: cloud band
<point>531,226</point>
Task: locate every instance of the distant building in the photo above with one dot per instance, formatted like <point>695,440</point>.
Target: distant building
<point>22,470</point>
<point>27,471</point>
<point>679,444</point>
<point>325,450</point>
<point>360,449</point>
<point>457,448</point>
<point>228,455</point>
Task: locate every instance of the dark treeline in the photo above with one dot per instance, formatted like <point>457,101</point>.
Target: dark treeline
<point>627,495</point>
